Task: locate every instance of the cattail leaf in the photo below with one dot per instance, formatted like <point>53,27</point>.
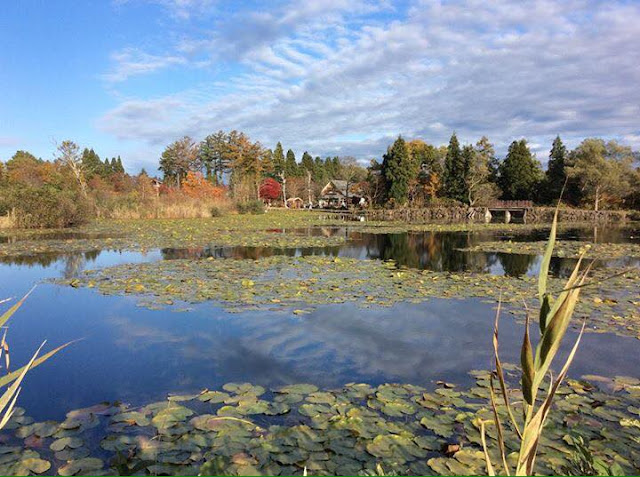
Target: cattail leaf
<point>9,377</point>
<point>554,332</point>
<point>561,312</point>
<point>526,361</point>
<point>545,308</point>
<point>546,258</point>
<point>9,313</point>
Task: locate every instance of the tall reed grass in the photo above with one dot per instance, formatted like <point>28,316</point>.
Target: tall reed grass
<point>12,380</point>
<point>554,317</point>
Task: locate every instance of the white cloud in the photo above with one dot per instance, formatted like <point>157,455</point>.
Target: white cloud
<point>329,70</point>
<point>133,62</point>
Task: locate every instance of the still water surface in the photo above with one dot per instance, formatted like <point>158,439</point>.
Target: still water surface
<point>136,355</point>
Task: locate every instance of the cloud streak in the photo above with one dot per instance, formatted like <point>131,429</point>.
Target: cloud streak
<point>336,77</point>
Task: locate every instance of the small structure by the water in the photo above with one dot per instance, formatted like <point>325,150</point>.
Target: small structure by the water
<point>341,194</point>
<point>295,203</point>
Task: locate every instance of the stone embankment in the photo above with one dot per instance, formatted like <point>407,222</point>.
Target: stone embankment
<point>481,214</point>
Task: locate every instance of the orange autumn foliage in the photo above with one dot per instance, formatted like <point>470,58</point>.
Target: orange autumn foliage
<point>197,187</point>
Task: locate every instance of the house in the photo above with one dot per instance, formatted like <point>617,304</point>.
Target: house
<point>295,203</point>
<point>156,184</point>
<point>335,195</point>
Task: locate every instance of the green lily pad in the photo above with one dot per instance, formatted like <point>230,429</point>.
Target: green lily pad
<point>299,389</point>
<point>81,466</point>
<point>66,443</point>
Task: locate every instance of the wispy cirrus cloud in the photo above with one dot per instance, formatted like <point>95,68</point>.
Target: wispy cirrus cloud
<point>134,62</point>
<point>338,77</point>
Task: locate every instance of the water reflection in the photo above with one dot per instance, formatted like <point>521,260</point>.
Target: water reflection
<point>139,355</point>
<point>73,262</point>
<point>439,251</point>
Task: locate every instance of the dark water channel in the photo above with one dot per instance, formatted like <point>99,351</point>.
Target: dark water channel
<point>136,355</point>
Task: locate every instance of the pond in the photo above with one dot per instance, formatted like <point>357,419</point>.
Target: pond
<point>135,353</point>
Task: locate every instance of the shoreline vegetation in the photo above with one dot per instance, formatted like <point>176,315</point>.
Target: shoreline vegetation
<point>413,181</point>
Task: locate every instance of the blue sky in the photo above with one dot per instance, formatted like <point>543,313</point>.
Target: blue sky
<point>335,77</point>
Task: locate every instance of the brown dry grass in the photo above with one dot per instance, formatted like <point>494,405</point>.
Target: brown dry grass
<point>169,208</point>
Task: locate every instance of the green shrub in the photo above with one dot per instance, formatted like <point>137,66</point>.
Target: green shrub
<point>47,207</point>
<point>216,211</point>
<point>250,207</point>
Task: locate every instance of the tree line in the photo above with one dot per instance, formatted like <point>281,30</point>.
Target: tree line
<point>232,159</point>
<point>229,166</point>
<point>596,173</point>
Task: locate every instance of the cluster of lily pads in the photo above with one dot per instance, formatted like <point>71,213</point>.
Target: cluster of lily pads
<point>277,229</point>
<point>564,249</point>
<point>245,429</point>
<point>611,303</point>
<point>221,238</point>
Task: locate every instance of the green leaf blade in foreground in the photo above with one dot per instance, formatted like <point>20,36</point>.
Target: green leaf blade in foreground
<point>7,378</point>
<point>9,313</point>
<point>544,270</point>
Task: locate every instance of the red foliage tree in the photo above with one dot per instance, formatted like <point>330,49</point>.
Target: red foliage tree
<point>270,189</point>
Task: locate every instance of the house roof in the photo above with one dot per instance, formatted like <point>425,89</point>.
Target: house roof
<point>339,187</point>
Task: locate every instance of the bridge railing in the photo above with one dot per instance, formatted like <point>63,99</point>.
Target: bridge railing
<point>510,204</point>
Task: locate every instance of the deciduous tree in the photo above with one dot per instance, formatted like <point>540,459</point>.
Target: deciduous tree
<point>214,155</point>
<point>480,190</point>
<point>270,189</point>
<point>602,170</point>
<point>69,156</point>
<point>178,158</point>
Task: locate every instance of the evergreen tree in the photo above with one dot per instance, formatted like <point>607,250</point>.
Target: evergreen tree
<point>556,175</point>
<point>337,167</point>
<point>268,167</point>
<point>91,163</point>
<point>278,159</point>
<point>106,167</point>
<point>319,173</point>
<point>454,171</point>
<point>520,173</point>
<point>290,165</point>
<point>328,169</point>
<point>119,165</point>
<point>468,155</point>
<point>396,170</point>
<point>307,164</point>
